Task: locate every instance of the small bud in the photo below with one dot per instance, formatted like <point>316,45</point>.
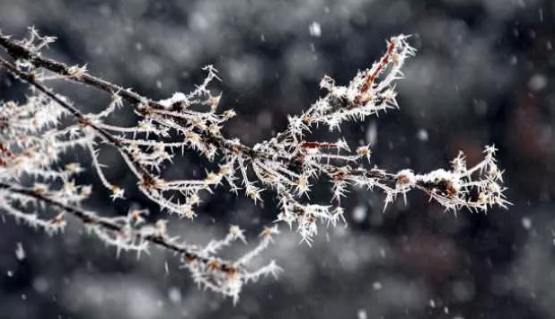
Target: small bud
<point>117,192</point>
<point>229,114</point>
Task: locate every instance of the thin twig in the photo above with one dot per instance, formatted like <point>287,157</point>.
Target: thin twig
<point>89,218</point>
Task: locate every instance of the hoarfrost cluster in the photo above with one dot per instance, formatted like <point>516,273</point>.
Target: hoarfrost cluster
<point>38,188</point>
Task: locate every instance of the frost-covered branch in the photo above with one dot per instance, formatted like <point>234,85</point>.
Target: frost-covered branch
<point>131,233</point>
<point>289,165</point>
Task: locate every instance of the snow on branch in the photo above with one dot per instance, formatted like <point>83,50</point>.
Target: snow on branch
<point>38,188</point>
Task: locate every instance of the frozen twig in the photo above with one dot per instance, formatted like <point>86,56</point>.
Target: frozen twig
<point>33,139</point>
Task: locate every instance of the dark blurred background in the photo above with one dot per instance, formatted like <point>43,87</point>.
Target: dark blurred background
<point>483,75</point>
